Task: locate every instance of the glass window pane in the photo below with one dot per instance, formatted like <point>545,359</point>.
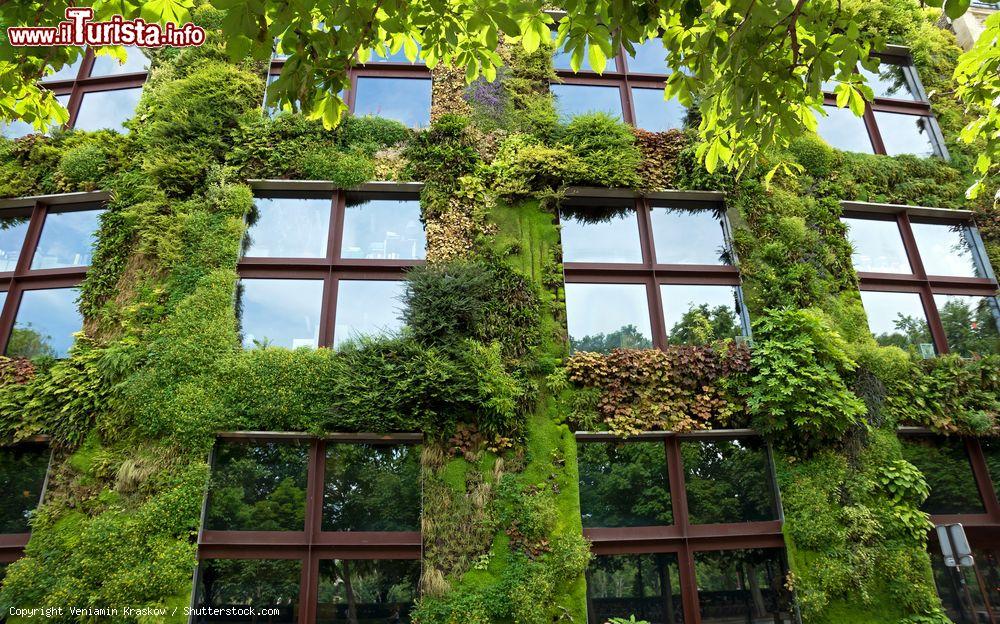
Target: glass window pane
<point>624,484</point>
<point>614,239</point>
<point>68,71</point>
<point>728,481</point>
<point>970,323</point>
<point>653,113</point>
<point>22,474</point>
<point>891,81</point>
<point>905,134</point>
<point>574,99</point>
<point>12,232</point>
<point>686,236</point>
<point>67,239</point>
<point>898,319</point>
<point>372,487</point>
<point>367,591</point>
<point>650,58</point>
<point>646,586</point>
<point>135,61</point>
<point>258,485</point>
<point>257,583</point>
<point>561,59</point>
<point>945,465</point>
<point>279,312</point>
<point>696,314</point>
<point>991,450</point>
<point>383,229</point>
<point>367,308</point>
<point>15,129</point>
<point>107,109</point>
<point>947,250</point>
<point>285,227</point>
<point>602,317</point>
<point>743,586</point>
<point>844,131</point>
<point>45,323</point>
<point>407,100</point>
<point>398,57</point>
<point>878,246</point>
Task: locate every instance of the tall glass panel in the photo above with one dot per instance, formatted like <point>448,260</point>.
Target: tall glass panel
<point>371,487</point>
<point>970,323</point>
<point>696,314</point>
<point>368,308</point>
<point>135,61</point>
<point>878,246</point>
<point>728,481</point>
<point>258,485</point>
<point>407,100</point>
<point>898,319</point>
<point>366,591</point>
<point>107,109</point>
<point>948,249</point>
<point>689,236</point>
<point>624,484</point>
<point>243,586</point>
<point>602,317</point>
<point>646,586</point>
<point>653,113</point>
<point>279,312</point>
<point>991,451</point>
<point>45,323</point>
<point>905,134</point>
<point>891,81</point>
<point>13,229</point>
<point>22,475</point>
<point>844,130</point>
<point>67,239</point>
<point>383,229</point>
<point>575,99</point>
<point>743,586</point>
<point>286,227</point>
<point>650,58</point>
<point>613,239</point>
<point>945,465</point>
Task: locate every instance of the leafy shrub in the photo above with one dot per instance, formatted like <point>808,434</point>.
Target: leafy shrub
<point>607,149</point>
<point>524,167</point>
<point>370,134</point>
<point>83,166</point>
<point>443,152</point>
<point>344,169</point>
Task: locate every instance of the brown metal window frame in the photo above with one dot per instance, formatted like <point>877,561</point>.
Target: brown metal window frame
<point>333,268</point>
<point>683,538</point>
<point>83,83</point>
<point>23,277</point>
<point>918,281</point>
<point>650,272</point>
<point>12,544</point>
<point>312,544</point>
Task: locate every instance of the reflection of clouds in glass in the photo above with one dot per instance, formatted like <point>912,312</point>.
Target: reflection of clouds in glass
<point>135,61</point>
<point>288,228</point>
<point>15,129</point>
<point>52,316</point>
<point>683,236</point>
<point>280,312</point>
<point>946,249</point>
<point>878,246</point>
<point>613,240</point>
<point>891,81</point>
<point>67,72</point>
<point>593,309</point>
<point>383,229</point>
<point>366,308</point>
<point>107,109</point>
<point>653,113</point>
<point>407,100</point>
<point>677,299</point>
<point>905,134</point>
<point>843,130</point>
<point>572,100</point>
<point>885,308</point>
<point>67,239</point>
<point>12,233</point>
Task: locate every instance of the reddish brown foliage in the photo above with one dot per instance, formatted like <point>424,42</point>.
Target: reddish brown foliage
<point>16,370</point>
<point>659,155</point>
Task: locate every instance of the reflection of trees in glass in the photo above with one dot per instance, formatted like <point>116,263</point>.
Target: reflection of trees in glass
<point>26,341</point>
<point>22,474</point>
<point>258,486</point>
<point>727,481</point>
<point>944,463</point>
<point>991,450</point>
<point>742,585</point>
<point>367,591</point>
<point>250,582</point>
<point>971,329</point>
<point>702,325</point>
<point>372,487</point>
<point>626,585</point>
<point>910,332</point>
<point>624,484</point>
<point>628,337</point>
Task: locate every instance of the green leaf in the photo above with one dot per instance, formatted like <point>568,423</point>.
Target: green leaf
<point>598,60</point>
<point>955,9</point>
<point>175,11</point>
<point>857,102</point>
<point>530,40</point>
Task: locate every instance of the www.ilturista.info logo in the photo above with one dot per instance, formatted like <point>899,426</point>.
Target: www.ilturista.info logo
<point>80,29</point>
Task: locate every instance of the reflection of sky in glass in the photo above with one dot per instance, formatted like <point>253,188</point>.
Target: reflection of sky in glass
<point>593,309</point>
<point>366,308</point>
<point>407,100</point>
<point>398,57</point>
<point>3,299</point>
<point>683,236</point>
<point>107,109</point>
<point>561,59</point>
<point>15,129</point>
<point>288,228</point>
<point>12,232</point>
<point>653,113</point>
<point>614,240</point>
<point>884,308</point>
<point>67,239</point>
<point>946,250</point>
<point>878,246</point>
<point>573,100</point>
<point>970,323</point>
<point>844,131</point>
<point>891,81</point>
<point>905,134</point>
<point>68,72</point>
<point>650,58</point>
<point>136,61</point>
<point>383,229</point>
<point>679,298</point>
<point>280,312</point>
<point>50,315</point>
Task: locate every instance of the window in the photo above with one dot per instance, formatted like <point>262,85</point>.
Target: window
<point>946,466</point>
<point>45,249</point>
<point>925,282</point>
<point>682,524</point>
<point>323,268</point>
<point>898,121</point>
<point>647,273</point>
<point>23,470</point>
<point>321,529</point>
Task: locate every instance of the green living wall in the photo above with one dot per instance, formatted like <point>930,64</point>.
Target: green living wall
<point>482,368</point>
